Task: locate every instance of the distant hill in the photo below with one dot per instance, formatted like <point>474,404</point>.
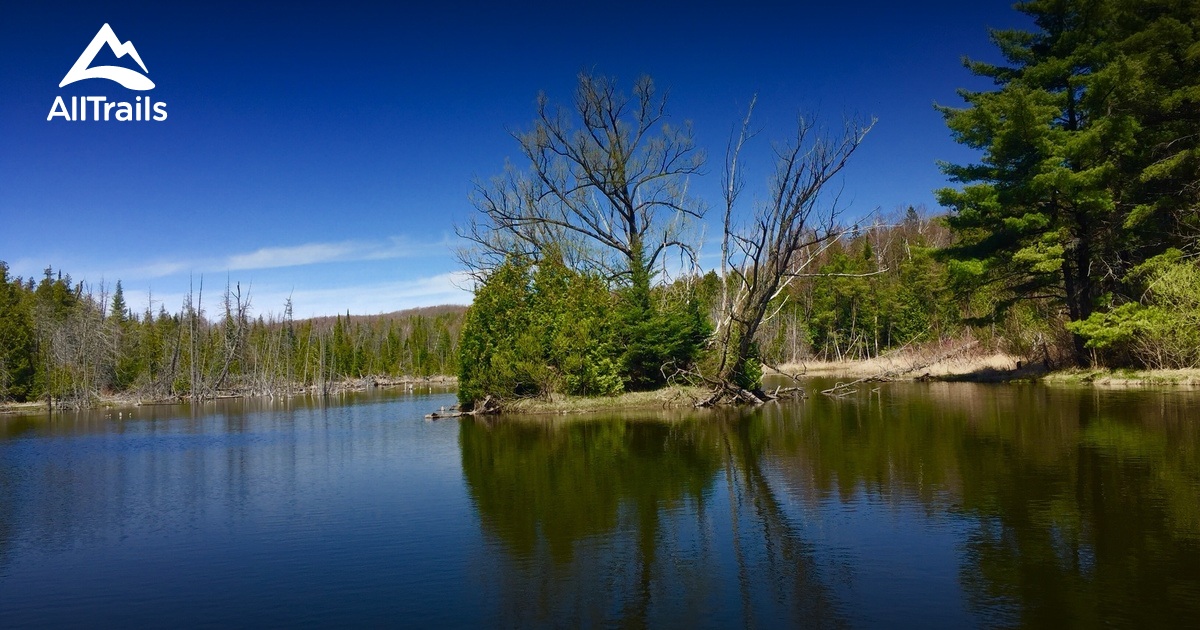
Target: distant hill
<point>423,311</point>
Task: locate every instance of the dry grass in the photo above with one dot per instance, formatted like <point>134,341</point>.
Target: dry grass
<point>22,407</point>
<point>1125,378</point>
<point>988,367</point>
<point>905,366</point>
<point>666,398</point>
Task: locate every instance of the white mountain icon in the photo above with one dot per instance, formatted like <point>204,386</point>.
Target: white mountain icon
<point>126,77</point>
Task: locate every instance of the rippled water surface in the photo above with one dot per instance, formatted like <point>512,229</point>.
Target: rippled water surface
<point>922,505</point>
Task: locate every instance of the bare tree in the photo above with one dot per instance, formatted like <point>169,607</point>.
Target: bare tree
<point>236,324</point>
<point>606,185</point>
<point>796,221</point>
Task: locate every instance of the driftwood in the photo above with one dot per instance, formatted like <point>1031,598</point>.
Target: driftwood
<point>487,406</point>
<point>736,395</point>
<point>845,389</point>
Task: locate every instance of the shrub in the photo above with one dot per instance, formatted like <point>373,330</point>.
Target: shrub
<point>1162,330</point>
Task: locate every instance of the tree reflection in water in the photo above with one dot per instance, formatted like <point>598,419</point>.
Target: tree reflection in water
<point>636,522</point>
<point>1072,507</point>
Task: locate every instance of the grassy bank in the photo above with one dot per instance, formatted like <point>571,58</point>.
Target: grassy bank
<point>990,368</point>
<point>1124,378</point>
<point>909,366</point>
<point>672,397</point>
<point>133,399</point>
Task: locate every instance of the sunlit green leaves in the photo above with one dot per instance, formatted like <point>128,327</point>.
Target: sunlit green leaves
<point>1090,156</point>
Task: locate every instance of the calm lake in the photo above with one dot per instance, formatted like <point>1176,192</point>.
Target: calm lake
<point>919,505</point>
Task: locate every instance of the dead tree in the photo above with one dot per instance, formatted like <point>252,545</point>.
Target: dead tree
<point>236,323</point>
<point>606,185</point>
<point>796,221</point>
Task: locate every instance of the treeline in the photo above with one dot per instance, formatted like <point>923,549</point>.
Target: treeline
<point>900,283</point>
<point>68,343</point>
<point>1075,239</point>
<point>878,288</point>
<point>537,327</point>
<point>540,327</point>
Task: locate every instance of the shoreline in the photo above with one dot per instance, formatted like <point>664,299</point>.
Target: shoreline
<point>906,367</point>
<point>105,401</point>
<point>1124,378</point>
<point>670,397</point>
<point>991,368</point>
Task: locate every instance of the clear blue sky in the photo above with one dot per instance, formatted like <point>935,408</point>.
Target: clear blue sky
<point>324,150</point>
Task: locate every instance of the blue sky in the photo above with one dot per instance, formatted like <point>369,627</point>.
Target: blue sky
<point>325,150</point>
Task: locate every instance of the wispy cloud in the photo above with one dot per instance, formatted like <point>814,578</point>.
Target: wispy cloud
<point>382,297</point>
<point>278,257</point>
<point>160,269</point>
<point>298,255</point>
<point>363,283</point>
<point>359,299</point>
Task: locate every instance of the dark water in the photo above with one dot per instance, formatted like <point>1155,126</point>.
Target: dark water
<point>919,505</point>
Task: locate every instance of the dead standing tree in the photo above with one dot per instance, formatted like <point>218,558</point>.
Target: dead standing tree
<point>233,331</point>
<point>606,185</point>
<point>758,262</point>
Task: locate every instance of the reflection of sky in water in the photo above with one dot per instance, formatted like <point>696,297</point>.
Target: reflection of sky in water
<point>917,505</point>
<point>888,557</point>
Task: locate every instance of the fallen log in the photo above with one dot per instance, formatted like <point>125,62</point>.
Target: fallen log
<point>845,389</point>
<point>487,406</point>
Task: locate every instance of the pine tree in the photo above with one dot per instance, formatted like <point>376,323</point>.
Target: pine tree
<point>17,340</point>
<point>126,358</point>
<point>119,310</point>
<point>1089,152</point>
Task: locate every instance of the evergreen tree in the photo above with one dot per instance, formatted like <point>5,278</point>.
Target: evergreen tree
<point>126,359</point>
<point>17,340</point>
<point>537,331</point>
<point>495,343</point>
<point>119,310</point>
<point>1089,152</point>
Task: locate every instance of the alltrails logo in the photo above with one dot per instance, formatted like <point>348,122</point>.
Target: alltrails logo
<point>142,108</point>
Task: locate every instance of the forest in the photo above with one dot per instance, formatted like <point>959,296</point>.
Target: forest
<point>877,289</point>
<point>1074,240</point>
<point>68,343</point>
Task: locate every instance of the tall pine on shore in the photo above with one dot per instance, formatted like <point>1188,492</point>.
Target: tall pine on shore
<point>1091,149</point>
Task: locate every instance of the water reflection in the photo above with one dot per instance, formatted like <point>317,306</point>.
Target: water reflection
<point>931,505</point>
<point>231,513</point>
<point>1040,507</point>
<point>640,522</point>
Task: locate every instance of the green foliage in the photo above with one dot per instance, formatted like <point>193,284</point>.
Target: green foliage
<point>659,339</point>
<point>1160,331</point>
<point>57,339</point>
<point>494,330</point>
<point>750,374</point>
<point>127,363</point>
<point>17,340</point>
<point>538,329</point>
<point>881,289</point>
<point>1089,153</point>
<point>1110,329</point>
<point>571,315</point>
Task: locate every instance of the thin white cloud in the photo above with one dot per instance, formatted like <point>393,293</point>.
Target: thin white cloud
<point>278,257</point>
<point>316,253</point>
<point>312,291</point>
<point>159,270</point>
<point>308,254</point>
<point>358,299</point>
<point>383,297</point>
